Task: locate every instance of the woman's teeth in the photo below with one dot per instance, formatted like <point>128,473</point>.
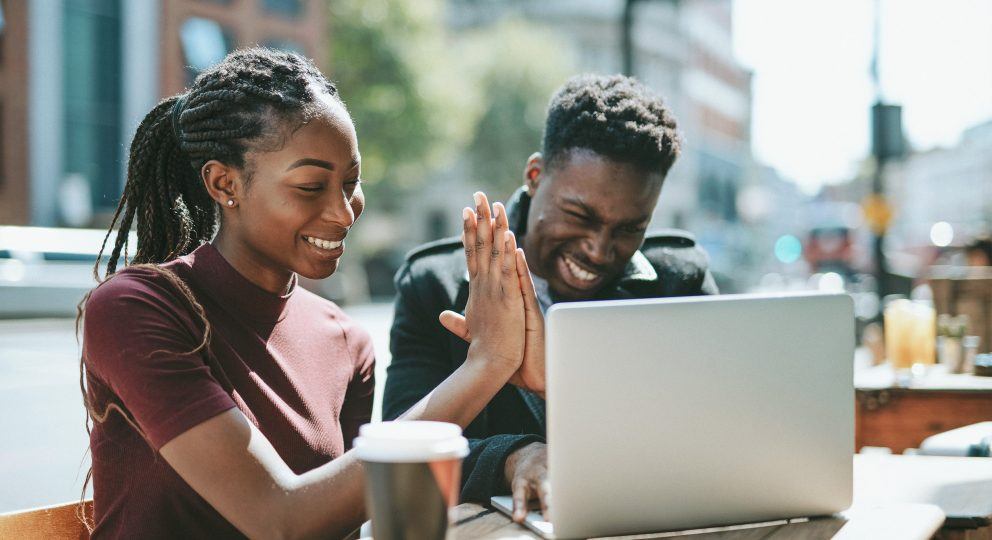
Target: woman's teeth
<point>579,272</point>
<point>323,244</point>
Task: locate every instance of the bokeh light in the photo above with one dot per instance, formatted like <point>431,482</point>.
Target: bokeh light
<point>831,282</point>
<point>942,234</point>
<point>788,249</point>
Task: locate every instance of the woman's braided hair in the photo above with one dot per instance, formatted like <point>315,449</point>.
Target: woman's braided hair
<point>243,103</point>
<point>249,101</point>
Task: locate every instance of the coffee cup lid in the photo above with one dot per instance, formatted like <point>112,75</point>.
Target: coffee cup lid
<point>410,442</point>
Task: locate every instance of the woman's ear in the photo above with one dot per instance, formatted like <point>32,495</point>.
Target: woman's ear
<point>223,183</point>
<point>532,172</point>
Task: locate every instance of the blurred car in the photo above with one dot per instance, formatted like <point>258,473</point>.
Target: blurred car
<point>45,272</point>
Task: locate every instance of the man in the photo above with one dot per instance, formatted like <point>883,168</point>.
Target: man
<point>581,219</point>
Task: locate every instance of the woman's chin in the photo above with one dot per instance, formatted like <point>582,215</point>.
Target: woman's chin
<point>321,272</point>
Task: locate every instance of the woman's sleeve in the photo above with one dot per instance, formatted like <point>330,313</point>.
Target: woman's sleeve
<point>138,338</point>
<point>357,408</point>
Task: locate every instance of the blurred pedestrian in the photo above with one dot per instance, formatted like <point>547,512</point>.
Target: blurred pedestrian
<point>979,251</point>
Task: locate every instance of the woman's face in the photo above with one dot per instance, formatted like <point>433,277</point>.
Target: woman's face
<point>303,198</point>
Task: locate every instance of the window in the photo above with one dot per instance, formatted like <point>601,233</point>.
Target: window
<point>92,97</point>
<point>2,20</point>
<point>3,148</point>
<point>287,8</point>
<point>204,43</point>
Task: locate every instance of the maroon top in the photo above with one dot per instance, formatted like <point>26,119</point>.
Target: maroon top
<point>296,366</point>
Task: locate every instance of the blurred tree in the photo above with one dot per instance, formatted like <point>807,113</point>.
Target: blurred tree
<point>422,98</point>
<point>386,58</point>
<point>517,66</point>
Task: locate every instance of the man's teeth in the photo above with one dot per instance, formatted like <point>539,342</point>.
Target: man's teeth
<point>578,272</point>
<point>324,244</point>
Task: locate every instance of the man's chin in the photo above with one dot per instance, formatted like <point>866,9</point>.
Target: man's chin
<point>560,291</point>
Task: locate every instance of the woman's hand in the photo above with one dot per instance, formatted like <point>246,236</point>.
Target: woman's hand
<point>531,374</point>
<point>495,310</point>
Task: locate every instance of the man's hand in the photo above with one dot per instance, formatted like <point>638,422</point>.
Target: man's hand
<point>526,471</point>
<point>532,374</point>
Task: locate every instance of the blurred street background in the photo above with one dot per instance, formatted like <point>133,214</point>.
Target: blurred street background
<point>841,146</point>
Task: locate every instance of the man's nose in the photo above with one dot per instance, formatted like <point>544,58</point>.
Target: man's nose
<point>599,248</point>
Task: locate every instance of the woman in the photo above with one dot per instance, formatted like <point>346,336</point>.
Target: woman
<point>224,396</point>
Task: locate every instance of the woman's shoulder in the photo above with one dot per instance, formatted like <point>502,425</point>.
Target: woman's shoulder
<point>157,285</point>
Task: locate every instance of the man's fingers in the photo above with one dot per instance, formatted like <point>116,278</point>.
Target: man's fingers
<point>519,500</point>
<point>468,240</point>
<point>510,262</point>
<point>544,493</point>
<point>484,232</point>
<point>456,324</point>
<point>531,306</point>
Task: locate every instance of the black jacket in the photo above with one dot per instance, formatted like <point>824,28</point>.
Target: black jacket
<point>434,278</point>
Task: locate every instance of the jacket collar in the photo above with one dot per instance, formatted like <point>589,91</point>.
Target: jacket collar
<point>638,269</point>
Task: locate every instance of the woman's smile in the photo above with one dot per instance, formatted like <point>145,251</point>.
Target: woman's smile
<point>328,250</point>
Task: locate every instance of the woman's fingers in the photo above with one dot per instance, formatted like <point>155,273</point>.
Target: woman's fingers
<point>468,240</point>
<point>499,240</point>
<point>484,233</point>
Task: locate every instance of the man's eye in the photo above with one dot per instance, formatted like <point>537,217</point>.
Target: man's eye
<point>634,230</point>
<point>309,189</point>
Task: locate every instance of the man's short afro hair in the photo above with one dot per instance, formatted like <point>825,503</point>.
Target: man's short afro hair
<point>614,116</point>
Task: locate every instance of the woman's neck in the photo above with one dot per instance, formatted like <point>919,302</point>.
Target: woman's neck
<point>251,264</point>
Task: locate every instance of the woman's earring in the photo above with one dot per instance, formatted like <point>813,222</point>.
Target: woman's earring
<point>230,202</point>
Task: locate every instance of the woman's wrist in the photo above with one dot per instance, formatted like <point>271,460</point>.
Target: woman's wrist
<point>492,363</point>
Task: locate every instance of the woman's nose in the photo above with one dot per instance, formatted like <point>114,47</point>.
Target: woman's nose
<point>339,211</point>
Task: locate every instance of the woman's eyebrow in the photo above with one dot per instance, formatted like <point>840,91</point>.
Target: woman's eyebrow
<point>311,161</point>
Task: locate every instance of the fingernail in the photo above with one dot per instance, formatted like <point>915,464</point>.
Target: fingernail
<point>507,236</point>
<point>466,213</point>
<point>496,210</point>
<point>478,198</point>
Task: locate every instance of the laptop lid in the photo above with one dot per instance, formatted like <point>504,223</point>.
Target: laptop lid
<point>690,412</point>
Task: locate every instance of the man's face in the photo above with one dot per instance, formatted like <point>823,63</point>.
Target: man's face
<point>587,218</point>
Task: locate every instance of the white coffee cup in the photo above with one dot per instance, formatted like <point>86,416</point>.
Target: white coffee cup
<point>413,475</point>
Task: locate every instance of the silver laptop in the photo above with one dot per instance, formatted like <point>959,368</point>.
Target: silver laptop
<point>683,413</point>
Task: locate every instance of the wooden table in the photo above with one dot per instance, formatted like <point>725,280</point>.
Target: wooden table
<point>916,521</point>
<point>902,416</point>
<point>894,497</point>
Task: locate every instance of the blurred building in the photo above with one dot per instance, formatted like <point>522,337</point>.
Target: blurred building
<point>944,184</point>
<point>77,76</point>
